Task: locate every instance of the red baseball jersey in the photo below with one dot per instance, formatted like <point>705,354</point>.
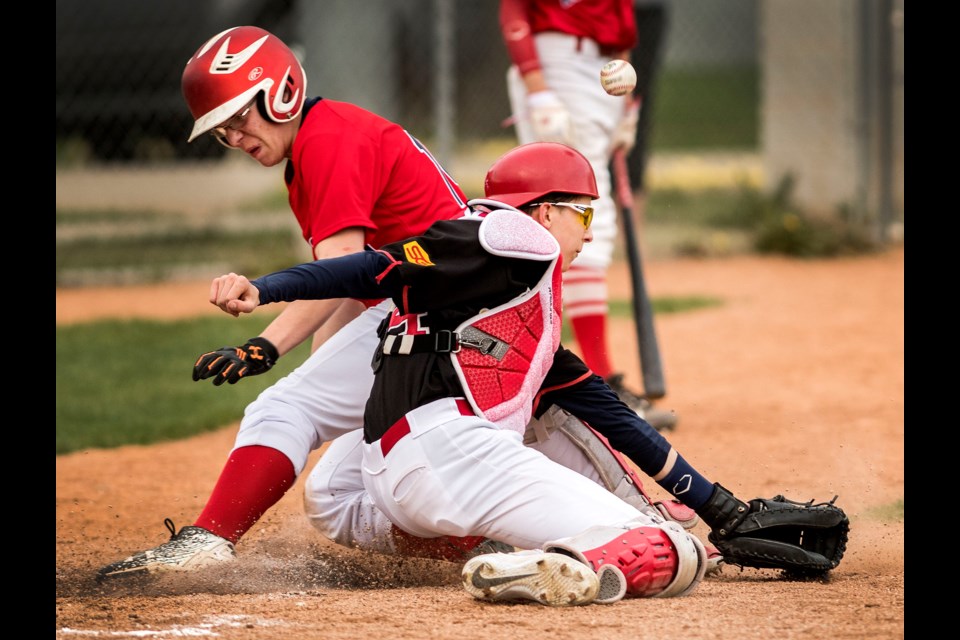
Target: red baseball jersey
<point>610,23</point>
<point>353,168</point>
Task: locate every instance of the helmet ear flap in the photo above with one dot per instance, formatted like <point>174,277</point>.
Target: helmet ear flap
<point>262,105</point>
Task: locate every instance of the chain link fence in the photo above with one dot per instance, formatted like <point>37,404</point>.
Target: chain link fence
<point>731,76</point>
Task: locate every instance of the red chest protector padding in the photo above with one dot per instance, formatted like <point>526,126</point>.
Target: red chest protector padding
<point>501,385</point>
<point>493,381</point>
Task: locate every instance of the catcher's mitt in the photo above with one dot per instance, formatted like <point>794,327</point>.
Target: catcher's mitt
<point>801,538</point>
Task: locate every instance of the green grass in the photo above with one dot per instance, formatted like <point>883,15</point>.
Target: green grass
<point>624,309</point>
<point>129,382</point>
<point>706,109</point>
<point>155,255</point>
<point>151,247</point>
<point>79,217</point>
<point>187,246</point>
<point>718,208</point>
<point>887,512</point>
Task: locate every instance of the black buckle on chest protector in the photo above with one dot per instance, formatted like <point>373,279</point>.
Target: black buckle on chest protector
<point>446,341</point>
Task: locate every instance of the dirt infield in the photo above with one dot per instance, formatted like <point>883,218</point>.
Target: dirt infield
<point>794,385</point>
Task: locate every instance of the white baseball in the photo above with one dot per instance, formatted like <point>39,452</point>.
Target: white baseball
<point>618,77</point>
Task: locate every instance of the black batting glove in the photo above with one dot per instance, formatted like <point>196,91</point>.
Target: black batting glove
<point>230,364</point>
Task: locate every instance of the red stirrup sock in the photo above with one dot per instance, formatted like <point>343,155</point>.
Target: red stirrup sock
<point>253,480</point>
<point>591,334</point>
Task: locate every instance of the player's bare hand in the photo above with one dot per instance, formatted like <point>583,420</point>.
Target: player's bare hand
<point>234,294</point>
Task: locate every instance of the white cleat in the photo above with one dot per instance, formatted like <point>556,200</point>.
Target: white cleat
<point>551,579</point>
<point>714,560</point>
<point>191,548</point>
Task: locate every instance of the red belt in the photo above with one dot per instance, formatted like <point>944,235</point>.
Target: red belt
<point>401,427</point>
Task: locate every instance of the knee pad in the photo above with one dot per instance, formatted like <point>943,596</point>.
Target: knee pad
<point>691,561</point>
<point>655,559</point>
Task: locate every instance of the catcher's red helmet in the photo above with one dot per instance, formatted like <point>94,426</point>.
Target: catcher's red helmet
<point>531,171</point>
<point>232,67</point>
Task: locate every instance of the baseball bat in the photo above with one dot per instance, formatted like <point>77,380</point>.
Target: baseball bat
<point>650,366</point>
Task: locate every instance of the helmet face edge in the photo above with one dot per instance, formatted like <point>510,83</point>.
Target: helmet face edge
<point>232,67</point>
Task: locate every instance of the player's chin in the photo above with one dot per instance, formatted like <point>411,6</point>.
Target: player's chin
<point>263,156</point>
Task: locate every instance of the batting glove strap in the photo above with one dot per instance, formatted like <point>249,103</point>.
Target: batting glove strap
<point>230,364</point>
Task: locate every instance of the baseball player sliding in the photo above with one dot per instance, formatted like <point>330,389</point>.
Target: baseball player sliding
<point>470,353</point>
<point>246,87</point>
<point>354,179</point>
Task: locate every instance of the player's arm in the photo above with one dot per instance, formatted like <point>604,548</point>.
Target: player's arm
<point>518,37</point>
<point>357,275</point>
<point>304,318</point>
<point>320,318</point>
<point>574,388</point>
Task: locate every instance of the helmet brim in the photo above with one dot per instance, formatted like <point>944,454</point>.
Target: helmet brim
<point>227,110</point>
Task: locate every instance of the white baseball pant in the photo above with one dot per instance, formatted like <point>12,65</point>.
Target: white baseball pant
<point>338,505</point>
<point>462,475</point>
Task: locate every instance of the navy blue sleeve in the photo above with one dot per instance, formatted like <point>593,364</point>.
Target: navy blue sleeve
<point>594,402</point>
<point>350,276</point>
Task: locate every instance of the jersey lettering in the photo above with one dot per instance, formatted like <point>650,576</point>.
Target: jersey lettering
<point>407,324</point>
<point>416,255</point>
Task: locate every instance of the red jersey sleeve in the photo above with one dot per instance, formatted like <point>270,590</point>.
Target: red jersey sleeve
<point>610,23</point>
<point>518,35</point>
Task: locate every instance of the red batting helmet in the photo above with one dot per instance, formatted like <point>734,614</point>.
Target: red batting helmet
<point>232,67</point>
<point>531,171</point>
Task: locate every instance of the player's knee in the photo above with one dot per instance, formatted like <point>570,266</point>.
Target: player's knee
<point>321,506</point>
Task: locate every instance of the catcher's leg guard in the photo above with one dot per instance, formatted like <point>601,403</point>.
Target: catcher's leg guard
<point>658,560</point>
<point>615,472</point>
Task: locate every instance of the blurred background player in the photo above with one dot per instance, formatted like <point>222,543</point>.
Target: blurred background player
<point>557,49</point>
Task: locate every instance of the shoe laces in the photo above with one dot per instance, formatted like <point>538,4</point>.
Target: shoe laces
<point>168,523</point>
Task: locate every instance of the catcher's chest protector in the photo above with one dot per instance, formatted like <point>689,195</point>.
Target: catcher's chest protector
<point>510,348</point>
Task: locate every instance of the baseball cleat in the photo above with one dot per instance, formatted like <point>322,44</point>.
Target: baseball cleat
<point>551,579</point>
<point>192,548</point>
<point>714,560</point>
<point>613,585</point>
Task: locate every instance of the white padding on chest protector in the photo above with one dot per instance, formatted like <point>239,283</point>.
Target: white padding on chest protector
<point>517,235</point>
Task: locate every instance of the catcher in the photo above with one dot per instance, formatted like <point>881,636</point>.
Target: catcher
<point>442,448</point>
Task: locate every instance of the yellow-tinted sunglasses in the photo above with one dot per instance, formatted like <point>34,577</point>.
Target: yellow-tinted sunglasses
<point>583,210</point>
